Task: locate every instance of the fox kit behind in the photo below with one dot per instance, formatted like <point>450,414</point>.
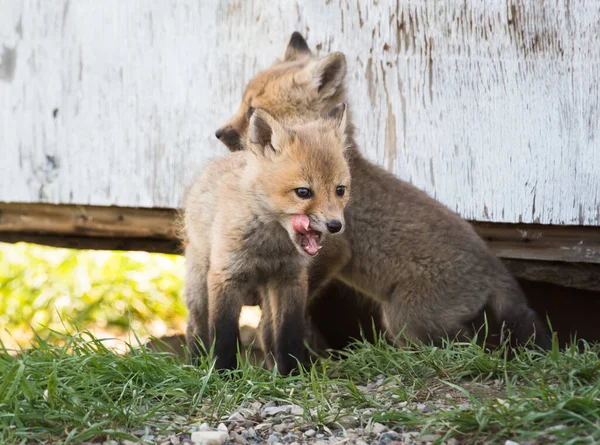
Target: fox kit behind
<point>427,268</point>
<point>254,220</point>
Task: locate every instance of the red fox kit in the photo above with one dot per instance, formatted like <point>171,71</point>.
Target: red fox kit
<point>254,221</point>
<point>427,268</point>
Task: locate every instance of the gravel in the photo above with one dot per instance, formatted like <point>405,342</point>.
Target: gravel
<point>273,423</point>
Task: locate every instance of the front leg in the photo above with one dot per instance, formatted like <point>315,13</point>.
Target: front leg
<point>196,297</point>
<point>225,305</point>
<point>266,331</point>
<point>287,301</point>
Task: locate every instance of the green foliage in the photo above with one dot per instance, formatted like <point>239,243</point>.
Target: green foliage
<point>45,287</point>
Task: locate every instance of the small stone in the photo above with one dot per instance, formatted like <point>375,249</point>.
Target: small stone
<point>204,427</point>
<point>349,421</point>
<point>236,417</point>
<point>378,428</point>
<point>390,435</point>
<point>275,410</point>
<point>510,442</point>
<point>209,437</point>
<point>427,409</point>
<point>263,426</point>
<point>452,442</point>
<point>174,440</point>
<point>288,438</point>
<point>274,438</point>
<point>319,436</point>
<point>130,442</point>
<point>111,442</point>
<point>280,428</point>
<point>429,437</point>
<point>361,442</point>
<point>238,438</point>
<point>222,427</point>
<point>296,410</point>
<point>402,404</point>
<point>250,433</point>
<point>165,442</point>
<point>310,433</point>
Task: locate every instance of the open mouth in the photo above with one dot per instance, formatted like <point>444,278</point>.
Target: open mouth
<point>309,238</point>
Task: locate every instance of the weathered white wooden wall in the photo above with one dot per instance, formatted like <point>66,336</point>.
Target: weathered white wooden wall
<point>491,106</point>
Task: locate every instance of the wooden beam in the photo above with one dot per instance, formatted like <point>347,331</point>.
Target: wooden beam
<point>584,276</point>
<point>123,228</point>
<point>579,244</point>
<point>90,221</point>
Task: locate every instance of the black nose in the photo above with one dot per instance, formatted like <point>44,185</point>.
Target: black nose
<point>219,133</point>
<point>334,226</point>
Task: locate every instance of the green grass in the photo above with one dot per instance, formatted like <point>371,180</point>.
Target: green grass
<point>82,391</point>
<point>74,389</point>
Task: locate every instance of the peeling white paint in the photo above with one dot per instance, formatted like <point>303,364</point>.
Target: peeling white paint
<point>491,107</point>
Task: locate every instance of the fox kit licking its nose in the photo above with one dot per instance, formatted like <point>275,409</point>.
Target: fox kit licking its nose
<point>254,220</point>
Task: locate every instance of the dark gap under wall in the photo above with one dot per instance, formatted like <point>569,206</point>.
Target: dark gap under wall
<point>571,311</point>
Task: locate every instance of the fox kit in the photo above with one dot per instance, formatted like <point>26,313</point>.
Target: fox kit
<point>428,269</point>
<point>254,221</point>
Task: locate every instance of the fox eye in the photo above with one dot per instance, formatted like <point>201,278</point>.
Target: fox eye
<point>249,112</point>
<point>303,193</point>
<point>340,190</point>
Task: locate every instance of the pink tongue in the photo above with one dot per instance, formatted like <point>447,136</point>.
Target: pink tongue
<point>300,224</point>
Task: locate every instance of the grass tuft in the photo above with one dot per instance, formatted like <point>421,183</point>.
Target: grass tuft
<point>82,390</point>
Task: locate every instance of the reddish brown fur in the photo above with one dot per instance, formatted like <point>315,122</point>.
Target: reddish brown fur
<point>242,248</point>
<point>427,267</point>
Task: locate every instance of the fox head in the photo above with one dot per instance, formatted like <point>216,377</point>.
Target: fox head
<point>298,175</point>
<point>301,84</point>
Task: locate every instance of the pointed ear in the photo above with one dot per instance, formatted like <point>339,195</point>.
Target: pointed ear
<point>326,74</point>
<point>266,134</point>
<point>296,47</point>
<point>337,117</point>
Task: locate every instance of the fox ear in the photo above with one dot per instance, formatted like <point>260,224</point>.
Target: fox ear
<point>266,135</point>
<point>337,117</point>
<point>296,47</point>
<point>326,74</point>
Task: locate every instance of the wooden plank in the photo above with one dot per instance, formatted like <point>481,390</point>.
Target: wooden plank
<point>539,242</point>
<point>113,224</point>
<point>574,275</point>
<point>90,221</point>
<point>492,107</point>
